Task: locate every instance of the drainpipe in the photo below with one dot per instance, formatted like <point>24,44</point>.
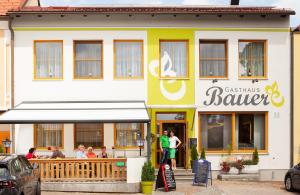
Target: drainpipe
<point>148,141</point>
<point>292,100</point>
<point>12,101</point>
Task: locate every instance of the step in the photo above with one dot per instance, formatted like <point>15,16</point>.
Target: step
<point>179,172</point>
<point>239,177</point>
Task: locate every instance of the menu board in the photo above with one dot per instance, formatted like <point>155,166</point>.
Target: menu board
<point>165,178</point>
<point>202,171</point>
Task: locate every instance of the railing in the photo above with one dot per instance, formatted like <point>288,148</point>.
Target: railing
<point>98,169</point>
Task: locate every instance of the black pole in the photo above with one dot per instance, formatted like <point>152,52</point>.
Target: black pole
<point>148,141</point>
<point>6,149</point>
<point>140,150</point>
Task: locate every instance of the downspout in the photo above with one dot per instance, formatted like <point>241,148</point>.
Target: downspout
<point>292,99</point>
<point>12,91</point>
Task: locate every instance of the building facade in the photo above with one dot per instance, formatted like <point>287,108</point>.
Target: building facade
<point>5,63</point>
<point>209,74</point>
<point>296,95</point>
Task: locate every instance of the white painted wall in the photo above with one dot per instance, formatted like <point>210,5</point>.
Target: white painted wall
<point>26,88</point>
<point>134,169</point>
<point>278,69</point>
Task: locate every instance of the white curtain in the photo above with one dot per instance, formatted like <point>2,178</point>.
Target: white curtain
<point>48,60</point>
<point>89,134</point>
<point>127,134</point>
<point>177,51</point>
<point>251,58</point>
<point>259,131</point>
<point>128,59</point>
<point>88,60</point>
<point>212,59</point>
<point>216,131</point>
<point>49,135</point>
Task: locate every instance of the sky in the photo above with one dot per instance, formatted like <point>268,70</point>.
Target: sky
<point>293,4</point>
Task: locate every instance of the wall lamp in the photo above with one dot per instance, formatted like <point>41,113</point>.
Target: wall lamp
<point>214,80</point>
<point>255,81</point>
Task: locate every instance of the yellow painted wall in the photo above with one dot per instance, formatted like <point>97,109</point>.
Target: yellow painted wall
<point>155,83</point>
<point>296,98</point>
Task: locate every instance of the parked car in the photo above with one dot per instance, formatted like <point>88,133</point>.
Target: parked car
<point>18,177</point>
<point>292,178</point>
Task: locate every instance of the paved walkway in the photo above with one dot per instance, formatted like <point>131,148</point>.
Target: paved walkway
<point>218,188</point>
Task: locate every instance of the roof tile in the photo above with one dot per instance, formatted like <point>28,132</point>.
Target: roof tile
<point>6,5</point>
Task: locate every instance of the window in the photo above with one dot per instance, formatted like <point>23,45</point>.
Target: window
<point>88,60</point>
<point>174,59</point>
<point>26,164</point>
<point>252,55</point>
<point>170,116</point>
<point>128,134</point>
<point>48,135</point>
<point>216,131</point>
<point>89,134</point>
<point>128,59</point>
<point>242,131</point>
<point>213,59</point>
<point>48,59</point>
<point>16,166</point>
<point>250,129</point>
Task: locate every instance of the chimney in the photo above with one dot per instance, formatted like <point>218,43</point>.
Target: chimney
<point>235,2</point>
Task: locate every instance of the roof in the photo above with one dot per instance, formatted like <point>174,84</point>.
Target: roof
<point>76,112</point>
<point>150,9</point>
<point>6,5</point>
<point>297,29</point>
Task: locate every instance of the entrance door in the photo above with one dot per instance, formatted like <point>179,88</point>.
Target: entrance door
<point>179,131</point>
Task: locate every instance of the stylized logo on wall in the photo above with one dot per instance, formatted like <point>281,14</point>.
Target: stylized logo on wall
<point>238,96</point>
<point>167,71</point>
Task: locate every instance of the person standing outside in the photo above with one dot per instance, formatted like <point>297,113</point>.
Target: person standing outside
<point>164,146</point>
<point>173,146</point>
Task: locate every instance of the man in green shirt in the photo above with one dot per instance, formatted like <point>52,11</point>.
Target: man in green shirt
<point>164,146</point>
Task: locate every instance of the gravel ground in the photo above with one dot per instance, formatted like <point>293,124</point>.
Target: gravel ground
<point>218,188</point>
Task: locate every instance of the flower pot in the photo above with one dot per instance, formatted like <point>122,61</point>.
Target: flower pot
<point>251,169</point>
<point>233,171</point>
<point>194,164</point>
<point>147,187</point>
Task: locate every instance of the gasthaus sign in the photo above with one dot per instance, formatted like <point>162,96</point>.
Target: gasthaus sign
<point>244,96</point>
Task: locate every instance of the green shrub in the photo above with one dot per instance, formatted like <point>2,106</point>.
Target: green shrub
<point>247,162</point>
<point>255,157</point>
<point>203,156</point>
<point>148,172</point>
<point>194,153</point>
<point>229,149</point>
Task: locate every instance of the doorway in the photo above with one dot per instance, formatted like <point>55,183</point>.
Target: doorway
<point>179,131</point>
<point>177,123</point>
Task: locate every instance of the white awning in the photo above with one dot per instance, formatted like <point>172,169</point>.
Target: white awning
<point>76,112</point>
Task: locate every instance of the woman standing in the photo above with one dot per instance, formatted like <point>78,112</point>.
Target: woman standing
<point>173,140</point>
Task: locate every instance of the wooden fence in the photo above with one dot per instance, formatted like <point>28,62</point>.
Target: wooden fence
<point>98,169</point>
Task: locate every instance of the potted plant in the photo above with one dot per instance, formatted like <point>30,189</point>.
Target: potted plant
<point>194,156</point>
<point>239,165</point>
<point>255,158</point>
<point>251,165</point>
<point>148,177</point>
<point>203,155</point>
<point>225,167</point>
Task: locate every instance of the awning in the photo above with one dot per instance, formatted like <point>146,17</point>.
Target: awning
<point>76,112</point>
